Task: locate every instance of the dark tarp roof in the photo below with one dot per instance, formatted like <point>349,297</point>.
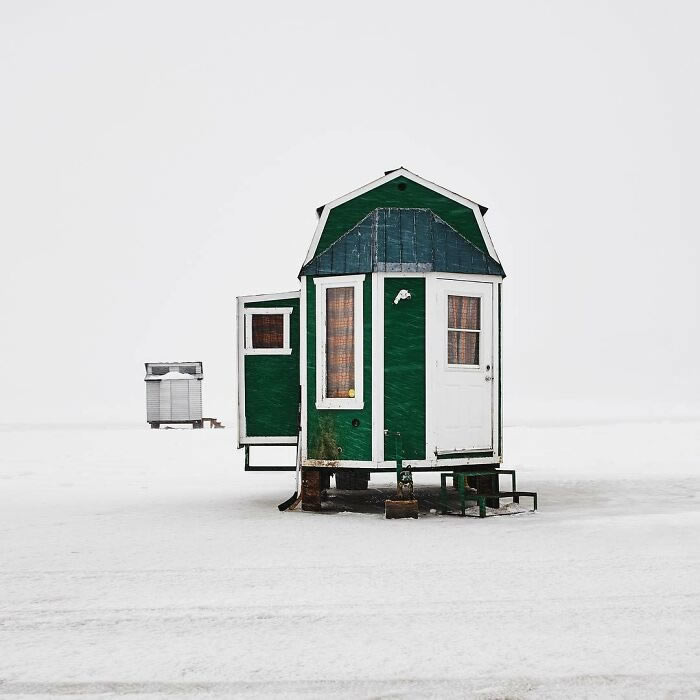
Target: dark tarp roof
<point>401,240</point>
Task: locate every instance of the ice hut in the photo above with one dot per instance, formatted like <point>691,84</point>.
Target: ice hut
<point>174,393</point>
<point>391,344</point>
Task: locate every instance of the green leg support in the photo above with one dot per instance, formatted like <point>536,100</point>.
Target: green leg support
<point>443,493</point>
<point>462,494</point>
<point>398,453</point>
<point>482,506</point>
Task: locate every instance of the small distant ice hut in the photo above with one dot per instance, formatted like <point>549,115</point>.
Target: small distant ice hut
<point>174,393</point>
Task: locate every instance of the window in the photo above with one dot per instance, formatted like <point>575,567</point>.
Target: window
<point>267,331</point>
<point>463,330</point>
<point>339,342</point>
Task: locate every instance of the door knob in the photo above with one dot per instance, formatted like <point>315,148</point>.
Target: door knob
<point>488,378</point>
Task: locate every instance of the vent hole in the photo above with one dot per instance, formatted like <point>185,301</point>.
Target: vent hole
<point>402,186</point>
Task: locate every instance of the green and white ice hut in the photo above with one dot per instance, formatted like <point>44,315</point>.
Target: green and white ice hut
<point>396,329</point>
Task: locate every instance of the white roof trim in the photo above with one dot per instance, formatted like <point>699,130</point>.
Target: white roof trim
<point>281,296</point>
<point>401,172</point>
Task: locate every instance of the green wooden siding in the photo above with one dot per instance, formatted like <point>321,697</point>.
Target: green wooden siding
<point>404,367</point>
<point>355,442</point>
<point>343,217</point>
<point>272,382</point>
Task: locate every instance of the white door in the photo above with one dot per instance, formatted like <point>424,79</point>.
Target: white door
<point>461,349</point>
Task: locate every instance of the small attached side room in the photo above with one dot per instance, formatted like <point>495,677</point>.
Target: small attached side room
<point>268,369</point>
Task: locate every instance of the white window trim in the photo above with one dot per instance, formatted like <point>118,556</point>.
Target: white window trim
<point>286,348</point>
<point>322,284</point>
<point>451,366</point>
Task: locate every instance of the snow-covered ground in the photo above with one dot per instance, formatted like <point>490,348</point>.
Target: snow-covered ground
<point>147,563</point>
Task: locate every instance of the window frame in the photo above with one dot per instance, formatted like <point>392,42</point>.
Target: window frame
<point>285,312</point>
<point>454,365</point>
<point>324,402</point>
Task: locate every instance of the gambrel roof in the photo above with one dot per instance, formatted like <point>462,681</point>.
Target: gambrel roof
<point>396,239</point>
<point>401,189</point>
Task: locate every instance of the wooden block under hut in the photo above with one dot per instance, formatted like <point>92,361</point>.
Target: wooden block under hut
<point>400,509</point>
<point>311,490</point>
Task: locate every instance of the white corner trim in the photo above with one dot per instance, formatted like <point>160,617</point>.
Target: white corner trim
<point>303,330</point>
<point>496,423</point>
<point>286,348</point>
<point>322,284</point>
<point>377,368</point>
<point>241,370</point>
<point>401,172</point>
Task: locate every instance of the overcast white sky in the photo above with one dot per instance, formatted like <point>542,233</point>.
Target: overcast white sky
<point>157,159</point>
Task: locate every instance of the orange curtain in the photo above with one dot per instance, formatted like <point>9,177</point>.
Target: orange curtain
<point>463,346</point>
<point>464,312</point>
<point>340,341</point>
<point>268,330</point>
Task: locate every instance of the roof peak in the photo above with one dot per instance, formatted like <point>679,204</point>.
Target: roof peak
<point>399,172</point>
<point>390,175</point>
